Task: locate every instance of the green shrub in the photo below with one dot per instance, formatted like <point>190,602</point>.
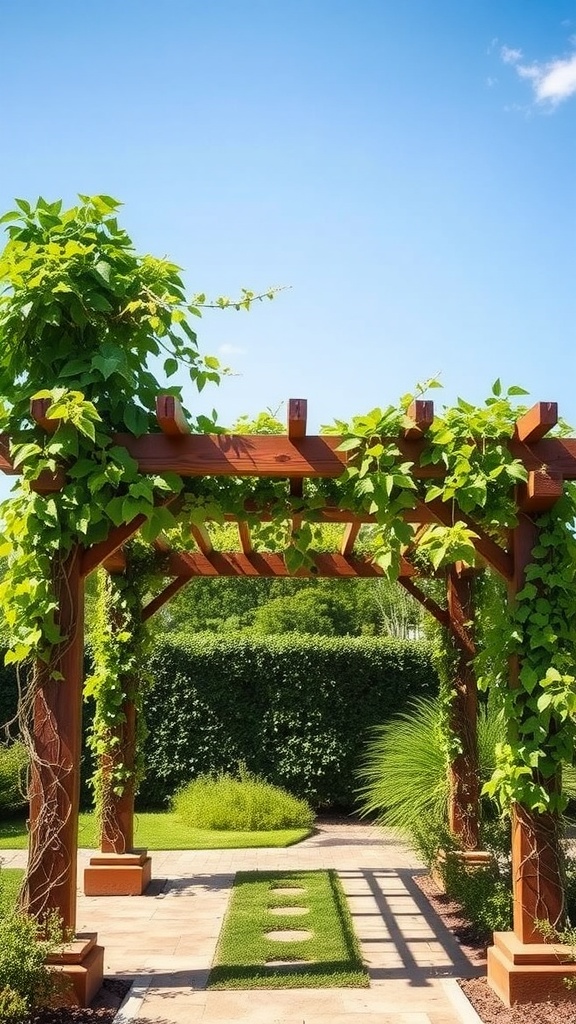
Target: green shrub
<point>13,766</point>
<point>485,894</point>
<point>26,980</point>
<point>295,709</point>
<point>247,803</point>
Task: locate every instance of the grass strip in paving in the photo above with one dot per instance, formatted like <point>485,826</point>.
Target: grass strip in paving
<point>10,879</point>
<point>162,831</point>
<point>329,958</point>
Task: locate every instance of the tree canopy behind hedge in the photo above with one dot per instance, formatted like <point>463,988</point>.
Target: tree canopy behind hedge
<point>296,709</point>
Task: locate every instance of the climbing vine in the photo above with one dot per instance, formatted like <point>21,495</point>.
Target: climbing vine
<point>119,644</point>
<point>81,316</point>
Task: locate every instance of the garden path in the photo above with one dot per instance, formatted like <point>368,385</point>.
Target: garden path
<point>166,938</point>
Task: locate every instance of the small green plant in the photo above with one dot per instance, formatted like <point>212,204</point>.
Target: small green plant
<point>25,980</point>
<point>247,802</point>
<point>13,764</point>
<point>485,894</point>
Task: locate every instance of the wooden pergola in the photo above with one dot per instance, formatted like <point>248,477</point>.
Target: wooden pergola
<point>520,963</point>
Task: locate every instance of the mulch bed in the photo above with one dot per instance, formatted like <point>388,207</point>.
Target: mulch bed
<point>102,1010</point>
<point>488,1006</point>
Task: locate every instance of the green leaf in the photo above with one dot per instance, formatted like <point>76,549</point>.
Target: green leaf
<point>170,366</point>
<point>135,419</point>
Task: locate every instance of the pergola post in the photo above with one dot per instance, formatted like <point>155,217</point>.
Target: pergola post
<point>464,795</point>
<point>50,885</point>
<point>119,869</point>
<point>521,966</point>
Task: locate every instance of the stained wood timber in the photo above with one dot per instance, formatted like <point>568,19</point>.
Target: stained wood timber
<point>350,534</point>
<point>160,600</point>
<point>245,537</point>
<point>55,786</point>
<point>421,412</point>
<point>497,557</point>
<point>297,416</point>
<point>278,456</point>
<point>554,454</point>
<point>202,538</point>
<point>541,491</point>
<point>440,614</point>
<point>99,553</point>
<point>535,423</point>
<point>264,564</point>
<point>116,563</point>
<point>536,855</point>
<point>38,410</point>
<point>55,767</point>
<point>332,514</point>
<point>119,869</point>
<point>519,962</point>
<point>171,416</point>
<point>48,483</point>
<point>6,465</point>
<point>274,456</point>
<point>463,772</point>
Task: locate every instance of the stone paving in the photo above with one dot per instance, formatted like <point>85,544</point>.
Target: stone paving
<point>166,938</point>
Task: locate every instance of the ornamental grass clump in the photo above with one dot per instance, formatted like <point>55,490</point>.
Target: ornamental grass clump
<point>245,803</point>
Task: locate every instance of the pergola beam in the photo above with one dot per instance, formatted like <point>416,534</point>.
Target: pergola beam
<point>38,409</point>
<point>421,412</point>
<point>160,600</point>
<point>535,423</point>
<point>171,416</point>
<point>348,541</point>
<point>233,563</point>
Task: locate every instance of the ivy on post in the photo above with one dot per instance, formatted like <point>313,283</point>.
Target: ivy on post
<point>55,746</point>
<point>117,730</point>
<point>464,799</point>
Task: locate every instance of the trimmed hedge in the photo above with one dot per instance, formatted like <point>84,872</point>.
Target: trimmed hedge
<point>294,709</point>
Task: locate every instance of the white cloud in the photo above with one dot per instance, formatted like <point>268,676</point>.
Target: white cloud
<point>556,81</point>
<point>552,81</point>
<point>491,81</point>
<point>510,56</point>
<point>231,350</point>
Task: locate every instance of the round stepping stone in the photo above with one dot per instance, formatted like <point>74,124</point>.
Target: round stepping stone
<point>289,911</point>
<point>289,935</point>
<point>288,890</point>
<point>289,963</point>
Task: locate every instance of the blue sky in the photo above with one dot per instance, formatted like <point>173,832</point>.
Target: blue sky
<point>407,168</point>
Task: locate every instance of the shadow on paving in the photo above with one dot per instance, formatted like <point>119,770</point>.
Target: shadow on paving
<point>458,966</point>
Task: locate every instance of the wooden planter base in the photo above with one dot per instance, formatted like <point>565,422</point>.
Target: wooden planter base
<point>471,860</point>
<point>118,874</point>
<point>523,973</point>
<point>82,962</point>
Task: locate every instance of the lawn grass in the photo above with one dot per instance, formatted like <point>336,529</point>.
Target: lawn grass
<point>161,831</point>
<point>10,879</point>
<point>244,950</point>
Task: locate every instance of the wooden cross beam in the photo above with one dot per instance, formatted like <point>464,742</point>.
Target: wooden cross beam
<point>171,416</point>
<point>234,563</point>
<point>38,409</point>
<point>535,423</point>
<point>421,413</point>
<point>160,600</point>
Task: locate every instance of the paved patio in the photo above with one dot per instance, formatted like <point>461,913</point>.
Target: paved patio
<point>166,938</point>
